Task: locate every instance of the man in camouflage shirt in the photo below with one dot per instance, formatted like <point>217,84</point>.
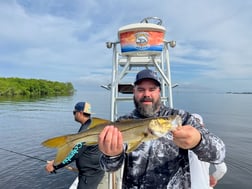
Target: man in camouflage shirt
<point>161,163</point>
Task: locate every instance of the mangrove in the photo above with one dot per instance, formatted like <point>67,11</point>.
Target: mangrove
<point>33,87</point>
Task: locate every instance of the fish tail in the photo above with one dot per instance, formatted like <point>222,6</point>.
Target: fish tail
<point>55,142</point>
<point>62,154</point>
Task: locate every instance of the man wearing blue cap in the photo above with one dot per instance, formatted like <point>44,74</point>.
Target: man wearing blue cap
<point>86,157</point>
<point>161,163</point>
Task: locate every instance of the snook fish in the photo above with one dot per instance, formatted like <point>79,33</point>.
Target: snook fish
<point>134,132</point>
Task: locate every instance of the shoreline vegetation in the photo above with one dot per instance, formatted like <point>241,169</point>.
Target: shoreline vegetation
<point>238,92</point>
<point>12,87</point>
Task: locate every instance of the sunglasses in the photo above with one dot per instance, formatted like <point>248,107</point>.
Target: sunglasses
<point>74,112</point>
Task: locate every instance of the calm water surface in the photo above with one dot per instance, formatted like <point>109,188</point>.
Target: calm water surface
<point>24,124</point>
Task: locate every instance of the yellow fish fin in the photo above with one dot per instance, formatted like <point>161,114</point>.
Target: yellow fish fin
<point>62,153</point>
<point>55,142</point>
<point>133,145</point>
<point>97,121</point>
<point>127,120</point>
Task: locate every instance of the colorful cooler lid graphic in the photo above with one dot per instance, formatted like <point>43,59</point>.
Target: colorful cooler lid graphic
<point>141,39</point>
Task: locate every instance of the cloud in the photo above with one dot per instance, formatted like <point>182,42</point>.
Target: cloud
<point>65,40</point>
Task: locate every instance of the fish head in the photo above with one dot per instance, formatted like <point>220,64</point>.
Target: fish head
<point>162,125</point>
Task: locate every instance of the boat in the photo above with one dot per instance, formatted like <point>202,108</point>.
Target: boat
<point>139,46</point>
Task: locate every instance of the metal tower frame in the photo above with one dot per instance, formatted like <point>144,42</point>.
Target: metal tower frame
<point>124,68</point>
<point>127,66</point>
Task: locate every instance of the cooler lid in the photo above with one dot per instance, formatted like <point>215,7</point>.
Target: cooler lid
<point>141,26</point>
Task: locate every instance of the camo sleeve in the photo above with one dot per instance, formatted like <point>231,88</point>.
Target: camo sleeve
<point>220,170</point>
<point>211,148</point>
<point>111,163</point>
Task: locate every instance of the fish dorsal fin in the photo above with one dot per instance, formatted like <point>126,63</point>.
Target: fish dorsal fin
<point>128,120</point>
<point>97,121</point>
<point>55,142</point>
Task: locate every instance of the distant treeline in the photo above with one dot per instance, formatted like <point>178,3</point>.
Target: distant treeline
<point>34,87</point>
<point>239,92</point>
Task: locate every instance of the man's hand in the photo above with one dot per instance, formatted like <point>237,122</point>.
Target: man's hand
<point>212,181</point>
<point>49,167</point>
<point>186,137</point>
<point>110,141</point>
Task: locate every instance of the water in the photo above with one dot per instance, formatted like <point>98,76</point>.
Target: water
<point>25,123</point>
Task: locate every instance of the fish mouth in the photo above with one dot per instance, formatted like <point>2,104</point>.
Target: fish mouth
<point>154,133</point>
<point>150,131</point>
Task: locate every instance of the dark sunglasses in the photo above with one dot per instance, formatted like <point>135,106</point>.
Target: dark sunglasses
<point>74,112</point>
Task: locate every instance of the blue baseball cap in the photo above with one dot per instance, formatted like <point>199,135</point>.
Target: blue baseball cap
<point>84,107</point>
<point>147,74</point>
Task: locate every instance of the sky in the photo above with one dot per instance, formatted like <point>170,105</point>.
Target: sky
<point>65,40</point>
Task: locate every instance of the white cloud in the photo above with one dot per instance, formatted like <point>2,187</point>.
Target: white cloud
<point>65,41</point>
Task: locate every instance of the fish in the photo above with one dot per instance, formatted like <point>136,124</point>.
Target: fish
<point>134,132</point>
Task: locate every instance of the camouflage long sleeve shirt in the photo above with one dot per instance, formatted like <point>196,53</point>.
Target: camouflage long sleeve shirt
<point>160,163</point>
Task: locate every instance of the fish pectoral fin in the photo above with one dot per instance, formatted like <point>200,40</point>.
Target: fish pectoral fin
<point>97,121</point>
<point>62,153</point>
<point>133,145</point>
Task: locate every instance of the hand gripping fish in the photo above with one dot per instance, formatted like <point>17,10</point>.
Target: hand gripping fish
<point>134,132</point>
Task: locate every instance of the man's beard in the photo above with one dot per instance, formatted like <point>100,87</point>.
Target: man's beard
<point>147,110</point>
